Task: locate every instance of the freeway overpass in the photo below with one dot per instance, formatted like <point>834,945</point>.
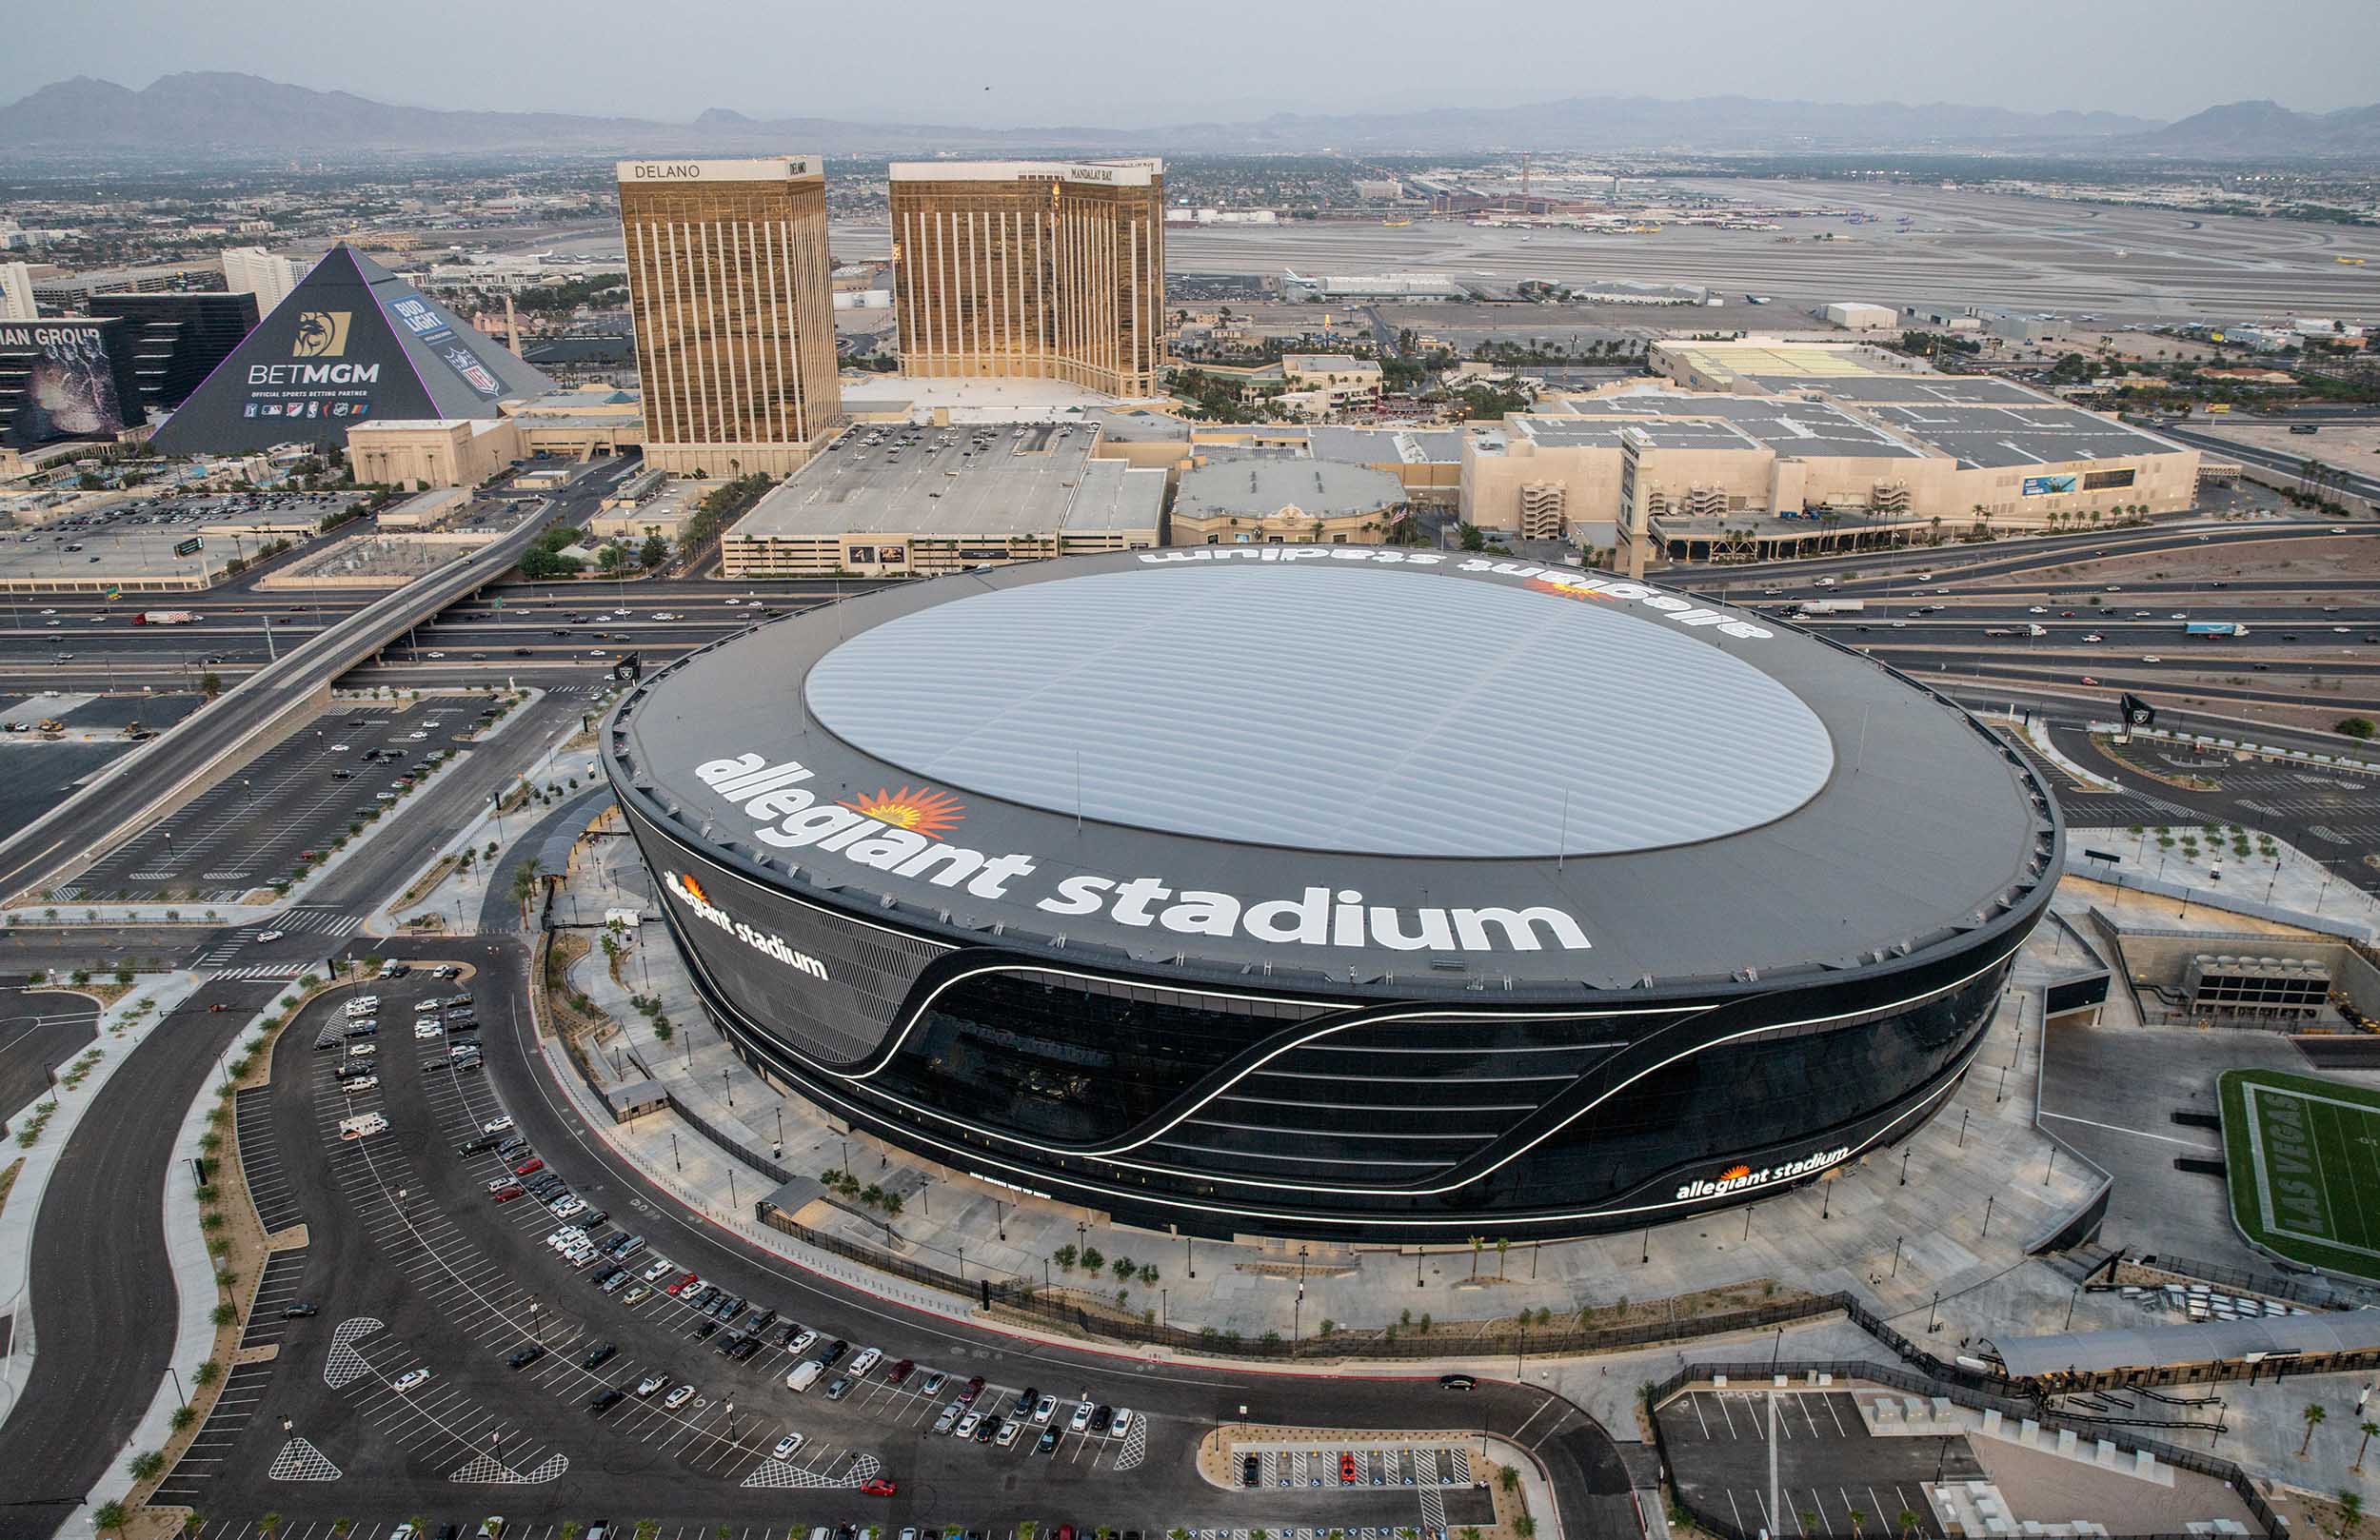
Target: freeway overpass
<point>148,781</point>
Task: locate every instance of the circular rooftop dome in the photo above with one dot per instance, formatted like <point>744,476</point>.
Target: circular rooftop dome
<point>1294,707</point>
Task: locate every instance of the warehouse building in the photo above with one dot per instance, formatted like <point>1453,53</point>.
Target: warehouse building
<point>911,501</point>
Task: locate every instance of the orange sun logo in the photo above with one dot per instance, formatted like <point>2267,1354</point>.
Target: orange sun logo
<point>695,888</point>
<point>922,809</point>
<point>1735,1174</point>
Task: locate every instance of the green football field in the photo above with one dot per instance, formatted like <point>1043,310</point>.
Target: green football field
<point>2302,1156</point>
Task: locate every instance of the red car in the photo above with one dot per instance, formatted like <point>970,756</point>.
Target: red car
<point>974,1388</point>
<point>900,1372</point>
<point>529,1167</point>
<point>507,1192</point>
<point>1346,1469</point>
<point>683,1283</point>
<point>2088,679</point>
<point>879,1486</point>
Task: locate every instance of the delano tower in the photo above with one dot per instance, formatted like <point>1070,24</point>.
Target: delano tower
<point>1031,269</point>
<point>735,326</point>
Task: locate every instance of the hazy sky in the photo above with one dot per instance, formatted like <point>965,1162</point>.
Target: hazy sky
<point>1141,63</point>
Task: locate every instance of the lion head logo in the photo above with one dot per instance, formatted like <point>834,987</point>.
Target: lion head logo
<point>321,334</point>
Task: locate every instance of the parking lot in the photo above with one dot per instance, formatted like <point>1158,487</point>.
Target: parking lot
<point>142,538</point>
<point>1829,1466</point>
<point>252,829</point>
<point>456,1349</point>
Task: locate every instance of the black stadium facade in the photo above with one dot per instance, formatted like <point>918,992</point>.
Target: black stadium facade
<point>1339,892</point>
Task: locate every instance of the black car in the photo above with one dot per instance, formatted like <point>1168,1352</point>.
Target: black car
<point>709,1296</point>
<point>988,1430</point>
<point>598,1354</point>
<point>526,1357</point>
<point>833,1355</point>
<point>593,1217</point>
<point>1250,1471</point>
<point>300,1310</point>
<point>728,1344</point>
<point>793,1329</point>
<point>746,1349</point>
<point>603,1401</point>
<point>703,1331</point>
<point>1458,1382</point>
<point>761,1322</point>
<point>472,1147</point>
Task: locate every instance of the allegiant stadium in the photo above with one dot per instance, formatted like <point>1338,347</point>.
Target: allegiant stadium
<point>1336,892</point>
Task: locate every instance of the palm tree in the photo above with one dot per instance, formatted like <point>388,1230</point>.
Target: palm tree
<point>109,1518</point>
<point>270,1524</point>
<point>2315,1417</point>
<point>1908,1520</point>
<point>571,1530</point>
<point>2367,1430</point>
<point>525,884</point>
<point>1858,1517</point>
<point>2350,1513</point>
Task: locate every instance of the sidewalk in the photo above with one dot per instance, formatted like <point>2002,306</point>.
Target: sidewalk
<point>457,897</point>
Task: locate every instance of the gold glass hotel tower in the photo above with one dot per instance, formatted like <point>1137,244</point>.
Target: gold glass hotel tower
<point>735,325</point>
<point>1031,269</point>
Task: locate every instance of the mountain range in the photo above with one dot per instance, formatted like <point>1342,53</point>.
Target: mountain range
<point>204,116</point>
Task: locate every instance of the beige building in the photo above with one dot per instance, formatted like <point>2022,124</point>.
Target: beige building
<point>1031,269</point>
<point>1340,379</point>
<point>1789,463</point>
<point>735,329</point>
<point>434,451</point>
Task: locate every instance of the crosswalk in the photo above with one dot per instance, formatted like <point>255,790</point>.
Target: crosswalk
<point>317,917</point>
<point>274,972</point>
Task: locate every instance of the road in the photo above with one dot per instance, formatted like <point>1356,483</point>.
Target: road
<point>103,1309</point>
<point>2288,462</point>
<point>86,821</point>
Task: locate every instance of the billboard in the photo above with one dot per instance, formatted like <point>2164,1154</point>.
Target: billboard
<point>59,380</point>
<point>2100,481</point>
<point>2043,485</point>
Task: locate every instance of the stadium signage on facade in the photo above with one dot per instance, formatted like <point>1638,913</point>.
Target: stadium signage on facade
<point>1738,1178</point>
<point>1563,582</point>
<point>688,891</point>
<point>884,833</point>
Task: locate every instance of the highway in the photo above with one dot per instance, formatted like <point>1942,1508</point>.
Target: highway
<point>122,794</point>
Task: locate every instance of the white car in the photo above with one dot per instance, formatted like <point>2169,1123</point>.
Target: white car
<point>1081,1418</point>
<point>1044,1410</point>
<point>2093,636</point>
<point>362,1050</point>
<point>568,1206</point>
<point>428,1029</point>
<point>361,1082</point>
<point>497,1125</point>
<point>785,1447</point>
<point>1120,1423</point>
<point>2039,609</point>
<point>967,1426</point>
<point>802,1343</point>
<point>869,1358</point>
<point>650,1383</point>
<point>2151,658</point>
<point>269,936</point>
<point>413,1380</point>
<point>1007,1435</point>
<point>661,1265</point>
<point>677,1397</point>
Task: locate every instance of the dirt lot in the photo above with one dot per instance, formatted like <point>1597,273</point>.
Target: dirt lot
<point>2317,556</point>
<point>2351,444</point>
